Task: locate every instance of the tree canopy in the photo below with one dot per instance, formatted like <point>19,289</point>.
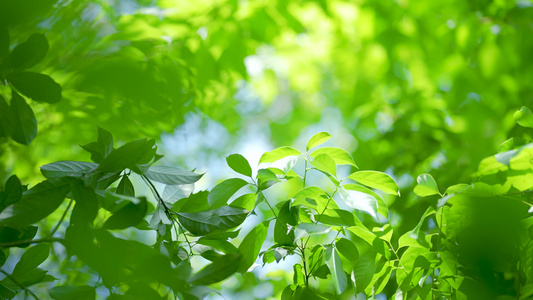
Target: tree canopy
<point>331,149</point>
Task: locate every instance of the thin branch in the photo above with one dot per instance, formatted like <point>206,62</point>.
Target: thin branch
<point>24,242</point>
<point>61,220</point>
<point>18,283</point>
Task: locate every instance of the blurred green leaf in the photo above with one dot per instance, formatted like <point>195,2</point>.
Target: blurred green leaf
<point>239,164</point>
<point>36,86</point>
<point>72,292</point>
<point>524,117</point>
<point>129,215</point>
<point>218,270</point>
<point>24,122</point>
<point>210,221</point>
<point>6,118</point>
<point>28,53</point>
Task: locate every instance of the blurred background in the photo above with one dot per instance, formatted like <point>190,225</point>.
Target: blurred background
<point>407,87</point>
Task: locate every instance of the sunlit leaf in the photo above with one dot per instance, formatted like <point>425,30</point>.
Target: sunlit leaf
<point>347,248</point>
<point>218,270</point>
<point>426,186</point>
<point>171,175</point>
<point>210,221</point>
<point>307,229</point>
<point>278,153</point>
<point>325,163</point>
<point>221,193</point>
<point>363,271</point>
<point>377,180</point>
<point>246,201</point>
<point>239,164</point>
<point>334,264</point>
<point>318,139</point>
<point>67,168</point>
<point>251,245</point>
<point>524,117</point>
<point>340,156</point>
<point>359,200</point>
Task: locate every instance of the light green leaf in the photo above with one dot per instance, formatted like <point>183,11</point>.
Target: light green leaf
<point>426,186</point>
<point>415,237</point>
<point>31,259</point>
<point>67,169</point>
<point>221,193</point>
<point>209,221</point>
<point>318,139</point>
<point>524,117</point>
<point>171,175</point>
<point>307,229</point>
<point>266,178</point>
<point>72,292</point>
<point>383,209</point>
<point>340,156</point>
<point>298,277</point>
<point>364,270</point>
<point>38,202</point>
<point>220,269</point>
<point>334,264</point>
<point>24,122</point>
<point>277,154</point>
<point>251,245</point>
<point>173,193</point>
<point>129,215</point>
<point>359,200</point>
<point>377,180</point>
<point>239,164</point>
<point>246,201</point>
<point>325,163</point>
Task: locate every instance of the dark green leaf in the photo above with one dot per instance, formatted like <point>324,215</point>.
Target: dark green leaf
<point>218,270</point>
<point>205,222</point>
<point>29,53</point>
<point>377,180</point>
<point>6,293</point>
<point>127,156</point>
<point>6,119</point>
<point>125,187</point>
<point>72,292</point>
<point>37,203</point>
<point>105,141</point>
<point>251,245</point>
<point>171,175</point>
<point>347,249</point>
<point>36,86</point>
<point>318,139</point>
<point>2,258</point>
<point>12,192</point>
<point>239,164</point>
<point>334,264</point>
<point>86,207</point>
<point>340,156</point>
<point>364,271</point>
<point>4,41</point>
<point>31,259</point>
<point>277,154</point>
<point>130,215</point>
<point>221,193</point>
<point>9,234</point>
<point>67,168</point>
<point>426,186</point>
<point>24,122</point>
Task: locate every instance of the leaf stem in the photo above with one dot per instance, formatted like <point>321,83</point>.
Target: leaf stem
<point>305,263</point>
<point>23,242</point>
<point>61,220</point>
<point>18,283</point>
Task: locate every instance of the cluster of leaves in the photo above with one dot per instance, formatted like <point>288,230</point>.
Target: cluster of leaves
<point>17,119</point>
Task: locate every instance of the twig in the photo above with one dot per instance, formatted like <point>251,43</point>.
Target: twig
<point>23,242</point>
<point>61,220</point>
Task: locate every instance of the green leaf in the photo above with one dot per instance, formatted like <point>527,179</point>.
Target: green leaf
<point>426,186</point>
<point>6,119</point>
<point>277,154</point>
<point>334,264</point>
<point>209,221</point>
<point>67,169</point>
<point>130,215</point>
<point>266,178</point>
<point>298,277</point>
<point>102,147</point>
<point>377,180</point>
<point>307,229</point>
<point>347,249</point>
<point>364,270</point>
<point>125,187</point>
<point>29,53</point>
<point>31,259</point>
<point>218,270</point>
<point>127,156</point>
<point>325,163</point>
<point>239,164</point>
<point>12,193</point>
<point>246,201</point>
<point>86,208</point>
<point>318,139</point>
<point>524,117</point>
<point>340,156</point>
<point>173,193</point>
<point>194,203</point>
<point>288,215</point>
<point>72,292</point>
<point>383,209</point>
<point>251,245</point>
<point>221,193</point>
<point>359,200</point>
<point>4,41</point>
<point>171,175</point>
<point>24,122</point>
<point>36,86</point>
<point>9,234</point>
<point>415,237</point>
<point>6,293</point>
<point>37,203</point>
